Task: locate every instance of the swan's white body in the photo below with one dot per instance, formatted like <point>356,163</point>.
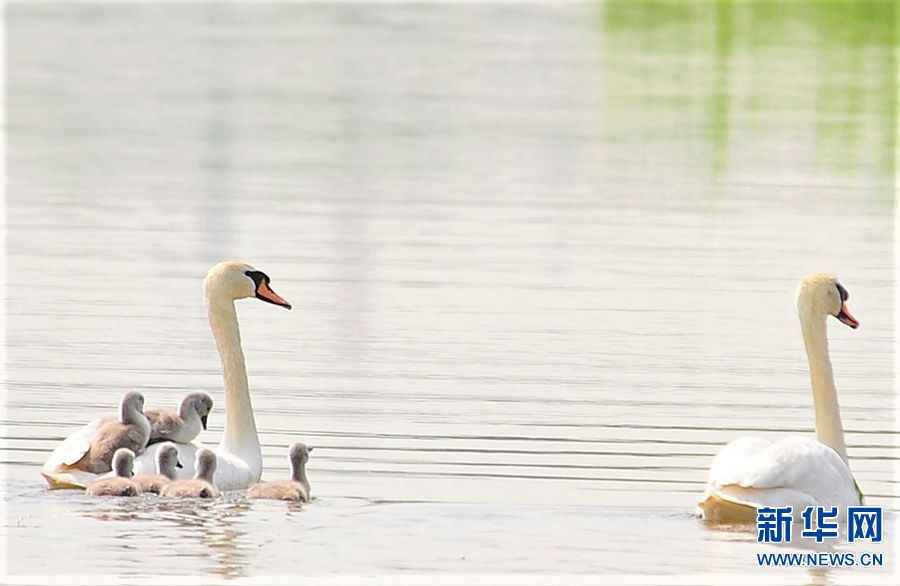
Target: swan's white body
<point>234,471</point>
<point>753,472</point>
<point>239,457</point>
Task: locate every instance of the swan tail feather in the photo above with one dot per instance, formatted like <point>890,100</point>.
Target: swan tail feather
<point>738,504</point>
<point>63,480</point>
<point>721,507</point>
<point>74,447</point>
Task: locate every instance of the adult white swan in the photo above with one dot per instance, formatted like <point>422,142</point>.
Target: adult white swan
<point>239,458</point>
<point>752,472</point>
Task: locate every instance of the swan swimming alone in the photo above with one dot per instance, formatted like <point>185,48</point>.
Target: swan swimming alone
<point>752,472</point>
<point>238,455</point>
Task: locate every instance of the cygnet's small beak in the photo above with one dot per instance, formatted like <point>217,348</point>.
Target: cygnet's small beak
<point>846,317</point>
<point>264,292</point>
<point>203,420</point>
<point>178,464</point>
<point>309,449</point>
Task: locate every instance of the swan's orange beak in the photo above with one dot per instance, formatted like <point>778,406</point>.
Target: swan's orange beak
<point>846,317</point>
<point>265,293</point>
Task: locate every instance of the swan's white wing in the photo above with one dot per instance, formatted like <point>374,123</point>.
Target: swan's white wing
<point>74,447</point>
<point>795,463</point>
<point>796,471</point>
<point>732,460</point>
<point>721,504</point>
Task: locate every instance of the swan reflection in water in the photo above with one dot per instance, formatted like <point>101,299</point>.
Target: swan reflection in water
<point>208,530</point>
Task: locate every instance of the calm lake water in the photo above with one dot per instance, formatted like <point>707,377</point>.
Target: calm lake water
<point>542,261</point>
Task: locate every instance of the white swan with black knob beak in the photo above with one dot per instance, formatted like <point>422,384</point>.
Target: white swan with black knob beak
<point>238,455</point>
<point>797,471</point>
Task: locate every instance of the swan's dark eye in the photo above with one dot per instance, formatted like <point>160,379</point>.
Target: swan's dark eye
<point>258,277</point>
<point>842,292</point>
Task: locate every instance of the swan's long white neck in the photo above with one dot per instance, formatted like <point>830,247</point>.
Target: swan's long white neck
<point>240,436</point>
<point>829,429</point>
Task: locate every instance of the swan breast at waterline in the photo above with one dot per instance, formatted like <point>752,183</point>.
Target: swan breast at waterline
<point>238,455</point>
<point>752,472</point>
